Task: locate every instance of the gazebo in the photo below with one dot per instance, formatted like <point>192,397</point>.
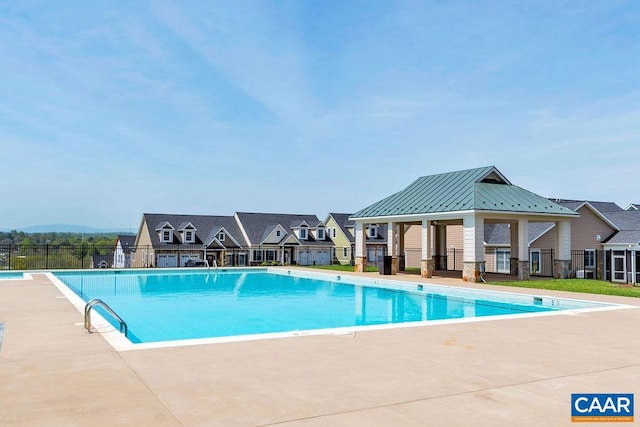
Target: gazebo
<point>472,198</point>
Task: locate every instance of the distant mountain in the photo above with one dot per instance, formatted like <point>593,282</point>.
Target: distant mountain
<point>69,228</point>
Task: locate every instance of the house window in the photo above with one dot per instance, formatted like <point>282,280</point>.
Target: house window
<point>536,261</point>
<point>503,264</point>
<point>321,234</point>
<point>257,255</point>
<point>344,252</point>
<point>188,236</point>
<point>334,232</point>
<point>303,233</point>
<point>221,236</point>
<point>166,235</point>
<point>271,255</point>
<point>373,232</point>
<point>278,233</point>
<point>590,258</point>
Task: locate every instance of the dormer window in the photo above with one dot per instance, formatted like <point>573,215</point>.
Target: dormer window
<point>188,232</point>
<point>320,233</point>
<point>278,233</point>
<point>221,236</point>
<point>166,236</point>
<point>373,231</point>
<point>303,234</point>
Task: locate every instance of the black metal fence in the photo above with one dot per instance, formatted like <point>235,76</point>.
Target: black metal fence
<point>35,257</point>
<point>587,264</point>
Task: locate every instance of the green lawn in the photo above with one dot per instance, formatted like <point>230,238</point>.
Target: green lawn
<point>577,285</point>
<point>338,267</point>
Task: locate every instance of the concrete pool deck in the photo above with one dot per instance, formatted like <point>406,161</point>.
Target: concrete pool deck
<point>503,372</point>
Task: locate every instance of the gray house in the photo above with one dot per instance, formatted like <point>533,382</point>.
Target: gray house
<point>166,240</point>
<point>285,238</point>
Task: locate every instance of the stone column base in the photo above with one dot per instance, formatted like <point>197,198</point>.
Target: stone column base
<point>360,264</point>
<point>426,268</point>
<point>523,270</point>
<point>561,268</point>
<point>471,271</point>
<point>394,265</point>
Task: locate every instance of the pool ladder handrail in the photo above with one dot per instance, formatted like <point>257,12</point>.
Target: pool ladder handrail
<point>95,302</point>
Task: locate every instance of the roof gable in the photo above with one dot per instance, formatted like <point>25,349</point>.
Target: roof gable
<point>256,226</point>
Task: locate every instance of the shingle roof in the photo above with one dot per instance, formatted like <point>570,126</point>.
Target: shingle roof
<point>500,234</point>
<point>628,222</point>
<point>602,207</point>
<point>205,225</point>
<point>127,242</point>
<point>256,225</point>
<point>473,189</point>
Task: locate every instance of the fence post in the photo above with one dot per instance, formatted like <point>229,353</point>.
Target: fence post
<point>454,259</point>
<point>46,257</point>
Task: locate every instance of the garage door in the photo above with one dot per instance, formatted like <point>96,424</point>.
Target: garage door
<point>320,257</point>
<point>186,257</point>
<point>167,260</point>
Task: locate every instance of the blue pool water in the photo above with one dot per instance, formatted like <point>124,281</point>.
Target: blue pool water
<point>10,275</point>
<point>189,304</point>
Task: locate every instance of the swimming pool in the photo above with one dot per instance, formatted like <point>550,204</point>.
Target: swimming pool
<point>185,304</point>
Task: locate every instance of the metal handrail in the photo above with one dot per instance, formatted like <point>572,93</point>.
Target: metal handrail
<point>95,302</point>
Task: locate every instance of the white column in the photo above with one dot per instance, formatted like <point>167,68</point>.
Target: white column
<point>360,239</point>
<point>523,240</point>
<point>473,238</point>
<point>426,239</point>
<point>391,240</point>
<point>563,239</point>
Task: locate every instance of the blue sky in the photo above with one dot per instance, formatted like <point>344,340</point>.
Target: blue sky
<point>112,109</point>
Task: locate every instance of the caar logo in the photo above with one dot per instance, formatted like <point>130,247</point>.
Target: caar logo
<point>590,408</point>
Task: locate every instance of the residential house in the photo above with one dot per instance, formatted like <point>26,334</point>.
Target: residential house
<point>166,240</point>
<point>285,238</point>
<point>604,243</point>
<point>122,251</point>
<point>101,261</point>
<point>341,231</point>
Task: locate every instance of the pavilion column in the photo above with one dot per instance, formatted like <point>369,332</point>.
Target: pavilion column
<point>562,263</point>
<point>392,248</point>
<point>401,257</point>
<point>523,250</point>
<point>426,263</point>
<point>473,264</point>
<point>513,260</point>
<point>360,260</point>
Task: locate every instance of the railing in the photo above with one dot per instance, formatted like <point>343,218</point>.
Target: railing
<point>98,302</point>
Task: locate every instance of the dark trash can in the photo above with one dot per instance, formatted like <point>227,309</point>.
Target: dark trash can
<point>384,265</point>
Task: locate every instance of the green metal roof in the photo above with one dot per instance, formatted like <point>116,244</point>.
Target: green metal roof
<point>472,189</point>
